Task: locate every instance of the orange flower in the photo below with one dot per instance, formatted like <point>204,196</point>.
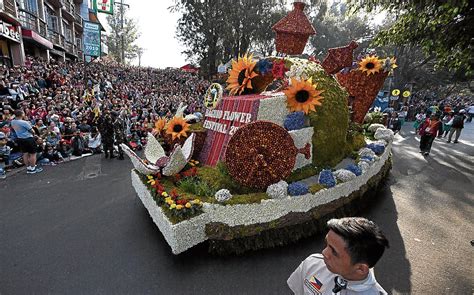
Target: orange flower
<point>177,128</point>
<point>159,125</point>
<point>241,74</point>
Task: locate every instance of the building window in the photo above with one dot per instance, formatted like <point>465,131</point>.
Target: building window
<point>67,33</point>
<point>29,5</point>
<point>52,20</point>
<point>78,43</point>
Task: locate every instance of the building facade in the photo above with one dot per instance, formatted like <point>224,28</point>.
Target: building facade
<point>41,28</point>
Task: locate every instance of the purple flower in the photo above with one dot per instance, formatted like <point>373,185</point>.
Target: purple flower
<point>264,66</point>
<point>378,149</point>
<point>354,169</point>
<point>297,189</point>
<point>294,121</point>
<point>326,178</point>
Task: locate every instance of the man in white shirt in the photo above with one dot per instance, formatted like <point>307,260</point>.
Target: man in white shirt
<point>353,247</point>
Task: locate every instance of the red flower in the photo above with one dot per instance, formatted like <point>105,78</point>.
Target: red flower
<point>181,202</point>
<point>279,69</point>
<point>190,172</point>
<point>174,193</point>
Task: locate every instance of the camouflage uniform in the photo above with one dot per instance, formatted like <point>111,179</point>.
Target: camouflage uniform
<point>120,137</point>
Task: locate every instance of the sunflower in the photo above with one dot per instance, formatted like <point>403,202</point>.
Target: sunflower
<point>241,75</point>
<point>159,125</point>
<point>303,96</point>
<point>177,127</point>
<point>370,65</point>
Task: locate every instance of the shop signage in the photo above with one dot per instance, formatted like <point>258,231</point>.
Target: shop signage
<point>91,39</point>
<point>7,30</point>
<point>104,6</point>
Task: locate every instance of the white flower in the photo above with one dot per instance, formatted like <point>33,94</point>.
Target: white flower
<point>364,166</point>
<point>375,127</point>
<point>384,134</point>
<point>344,175</point>
<point>366,152</point>
<point>278,190</point>
<point>223,195</point>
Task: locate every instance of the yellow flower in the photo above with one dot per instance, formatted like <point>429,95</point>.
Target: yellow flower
<point>179,207</point>
<point>303,96</point>
<point>177,127</point>
<point>370,65</point>
<point>188,205</point>
<point>173,206</point>
<point>151,181</point>
<point>241,74</point>
<point>164,194</point>
<point>149,176</point>
<point>167,199</point>
<point>170,202</point>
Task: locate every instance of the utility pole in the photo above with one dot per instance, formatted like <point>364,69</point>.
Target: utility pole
<point>140,53</point>
<point>122,57</point>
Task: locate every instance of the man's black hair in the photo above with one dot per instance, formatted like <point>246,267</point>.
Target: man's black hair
<point>364,240</point>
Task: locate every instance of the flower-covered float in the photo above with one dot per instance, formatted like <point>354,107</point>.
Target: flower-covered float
<point>271,162</point>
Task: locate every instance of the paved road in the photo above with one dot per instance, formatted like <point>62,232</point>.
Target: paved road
<point>78,228</point>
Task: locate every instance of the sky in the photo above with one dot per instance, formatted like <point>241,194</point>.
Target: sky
<point>157,26</point>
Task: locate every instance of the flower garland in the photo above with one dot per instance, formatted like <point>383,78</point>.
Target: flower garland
<point>179,206</point>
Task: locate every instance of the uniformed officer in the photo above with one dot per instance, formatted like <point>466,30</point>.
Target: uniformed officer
<point>106,129</point>
<point>353,247</point>
<point>119,131</point>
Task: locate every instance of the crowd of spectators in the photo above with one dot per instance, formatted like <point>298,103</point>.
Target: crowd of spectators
<point>65,103</point>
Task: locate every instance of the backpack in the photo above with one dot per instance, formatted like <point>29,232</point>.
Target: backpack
<point>457,122</point>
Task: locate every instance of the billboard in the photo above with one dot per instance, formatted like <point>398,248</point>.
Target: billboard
<point>91,39</point>
<point>104,6</point>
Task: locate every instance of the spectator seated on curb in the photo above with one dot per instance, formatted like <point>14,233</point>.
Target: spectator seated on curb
<point>5,151</point>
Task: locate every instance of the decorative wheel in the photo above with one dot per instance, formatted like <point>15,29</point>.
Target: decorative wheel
<point>260,154</point>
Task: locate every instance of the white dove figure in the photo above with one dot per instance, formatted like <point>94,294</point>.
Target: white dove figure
<point>158,161</point>
<point>180,110</point>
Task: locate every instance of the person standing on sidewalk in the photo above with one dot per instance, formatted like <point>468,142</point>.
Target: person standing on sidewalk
<point>457,126</point>
<point>428,131</point>
<point>470,113</point>
<point>26,141</point>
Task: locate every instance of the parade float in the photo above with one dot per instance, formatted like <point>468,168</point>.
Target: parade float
<point>272,161</point>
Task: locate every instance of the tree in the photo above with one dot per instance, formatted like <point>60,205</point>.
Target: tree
<point>335,28</point>
<point>128,34</point>
<point>214,31</point>
<point>442,29</point>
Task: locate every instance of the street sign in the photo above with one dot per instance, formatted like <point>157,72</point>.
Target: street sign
<point>406,93</point>
<point>396,92</point>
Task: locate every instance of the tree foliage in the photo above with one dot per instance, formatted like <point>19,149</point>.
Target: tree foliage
<point>214,31</point>
<point>442,29</point>
<point>335,28</point>
<point>130,35</point>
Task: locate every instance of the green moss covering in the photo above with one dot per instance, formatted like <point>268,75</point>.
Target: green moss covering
<point>330,121</point>
<point>246,199</point>
<point>302,173</point>
<point>197,127</point>
<point>316,188</point>
<point>355,143</point>
<point>218,178</point>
